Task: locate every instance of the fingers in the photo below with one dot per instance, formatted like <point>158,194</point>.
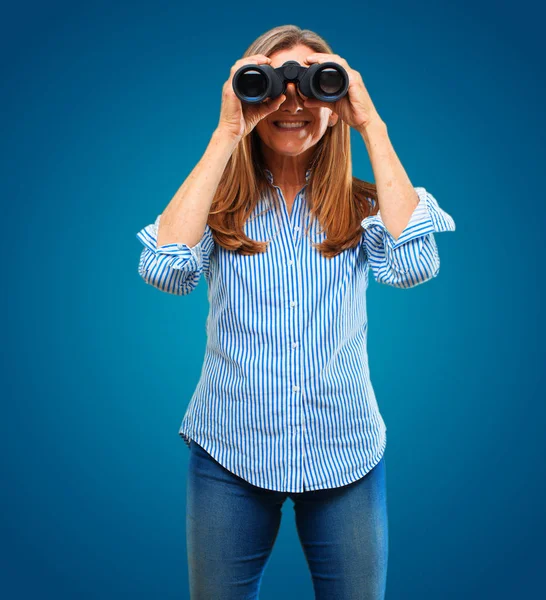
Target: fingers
<point>271,105</point>
<point>258,59</point>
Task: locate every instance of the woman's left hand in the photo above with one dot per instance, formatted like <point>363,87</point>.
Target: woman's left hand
<point>356,107</point>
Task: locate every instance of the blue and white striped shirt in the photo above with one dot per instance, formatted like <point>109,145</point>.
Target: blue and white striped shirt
<point>285,399</point>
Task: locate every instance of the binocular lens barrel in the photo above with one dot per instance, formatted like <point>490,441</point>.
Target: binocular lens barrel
<point>329,81</point>
<point>252,83</point>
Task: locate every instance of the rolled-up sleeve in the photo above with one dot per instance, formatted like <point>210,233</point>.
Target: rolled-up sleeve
<point>413,258</point>
<point>173,268</point>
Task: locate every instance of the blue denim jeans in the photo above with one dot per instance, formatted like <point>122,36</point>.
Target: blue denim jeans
<point>231,527</point>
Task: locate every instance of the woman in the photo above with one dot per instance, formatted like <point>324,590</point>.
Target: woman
<point>285,236</point>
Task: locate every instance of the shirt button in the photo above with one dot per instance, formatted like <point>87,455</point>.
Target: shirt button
<point>290,262</point>
<point>292,303</point>
<point>294,344</point>
<point>297,228</point>
<point>296,388</point>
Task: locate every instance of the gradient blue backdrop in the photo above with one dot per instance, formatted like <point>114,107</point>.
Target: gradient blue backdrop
<point>100,127</point>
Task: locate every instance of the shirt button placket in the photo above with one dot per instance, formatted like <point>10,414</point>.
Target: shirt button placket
<point>295,387</point>
<point>295,425</point>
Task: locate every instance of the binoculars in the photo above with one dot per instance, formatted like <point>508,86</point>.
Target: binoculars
<point>326,81</point>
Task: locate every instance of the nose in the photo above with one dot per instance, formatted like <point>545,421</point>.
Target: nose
<point>293,96</point>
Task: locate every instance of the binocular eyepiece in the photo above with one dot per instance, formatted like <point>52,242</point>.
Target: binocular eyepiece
<point>326,81</point>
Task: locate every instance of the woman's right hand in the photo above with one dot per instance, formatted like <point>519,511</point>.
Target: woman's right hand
<point>238,119</point>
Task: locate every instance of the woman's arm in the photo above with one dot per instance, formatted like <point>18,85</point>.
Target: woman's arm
<point>184,219</point>
<point>396,195</point>
<point>399,240</point>
<point>178,245</point>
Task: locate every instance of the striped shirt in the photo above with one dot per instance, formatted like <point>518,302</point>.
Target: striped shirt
<point>285,399</point>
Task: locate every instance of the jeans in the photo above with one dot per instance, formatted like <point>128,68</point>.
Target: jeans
<point>231,526</point>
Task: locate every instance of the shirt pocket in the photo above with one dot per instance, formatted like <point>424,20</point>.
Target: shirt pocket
<point>256,275</point>
<point>260,274</point>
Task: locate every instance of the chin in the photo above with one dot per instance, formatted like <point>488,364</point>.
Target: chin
<point>288,142</point>
<point>289,149</point>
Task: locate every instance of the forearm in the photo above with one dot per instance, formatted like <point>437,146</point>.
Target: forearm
<point>397,197</point>
<point>184,219</point>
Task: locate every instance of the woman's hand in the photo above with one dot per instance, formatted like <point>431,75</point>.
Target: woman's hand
<point>238,119</point>
<point>356,107</point>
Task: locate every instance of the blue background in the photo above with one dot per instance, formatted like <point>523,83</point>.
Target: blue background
<point>100,128</point>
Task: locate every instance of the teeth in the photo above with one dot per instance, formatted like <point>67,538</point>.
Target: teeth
<point>289,124</point>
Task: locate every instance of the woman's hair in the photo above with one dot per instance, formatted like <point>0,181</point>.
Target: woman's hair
<point>337,200</point>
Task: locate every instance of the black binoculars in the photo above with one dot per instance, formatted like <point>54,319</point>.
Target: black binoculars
<point>326,81</point>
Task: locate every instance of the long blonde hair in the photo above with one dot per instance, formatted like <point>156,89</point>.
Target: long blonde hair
<point>337,200</point>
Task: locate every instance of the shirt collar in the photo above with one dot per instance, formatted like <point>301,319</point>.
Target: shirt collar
<point>269,175</point>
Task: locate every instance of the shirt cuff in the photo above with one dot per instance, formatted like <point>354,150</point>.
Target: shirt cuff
<point>183,257</point>
<point>427,217</point>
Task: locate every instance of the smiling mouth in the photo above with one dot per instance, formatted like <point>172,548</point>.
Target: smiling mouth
<point>290,125</point>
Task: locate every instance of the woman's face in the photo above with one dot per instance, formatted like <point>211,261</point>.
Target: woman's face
<point>294,141</point>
